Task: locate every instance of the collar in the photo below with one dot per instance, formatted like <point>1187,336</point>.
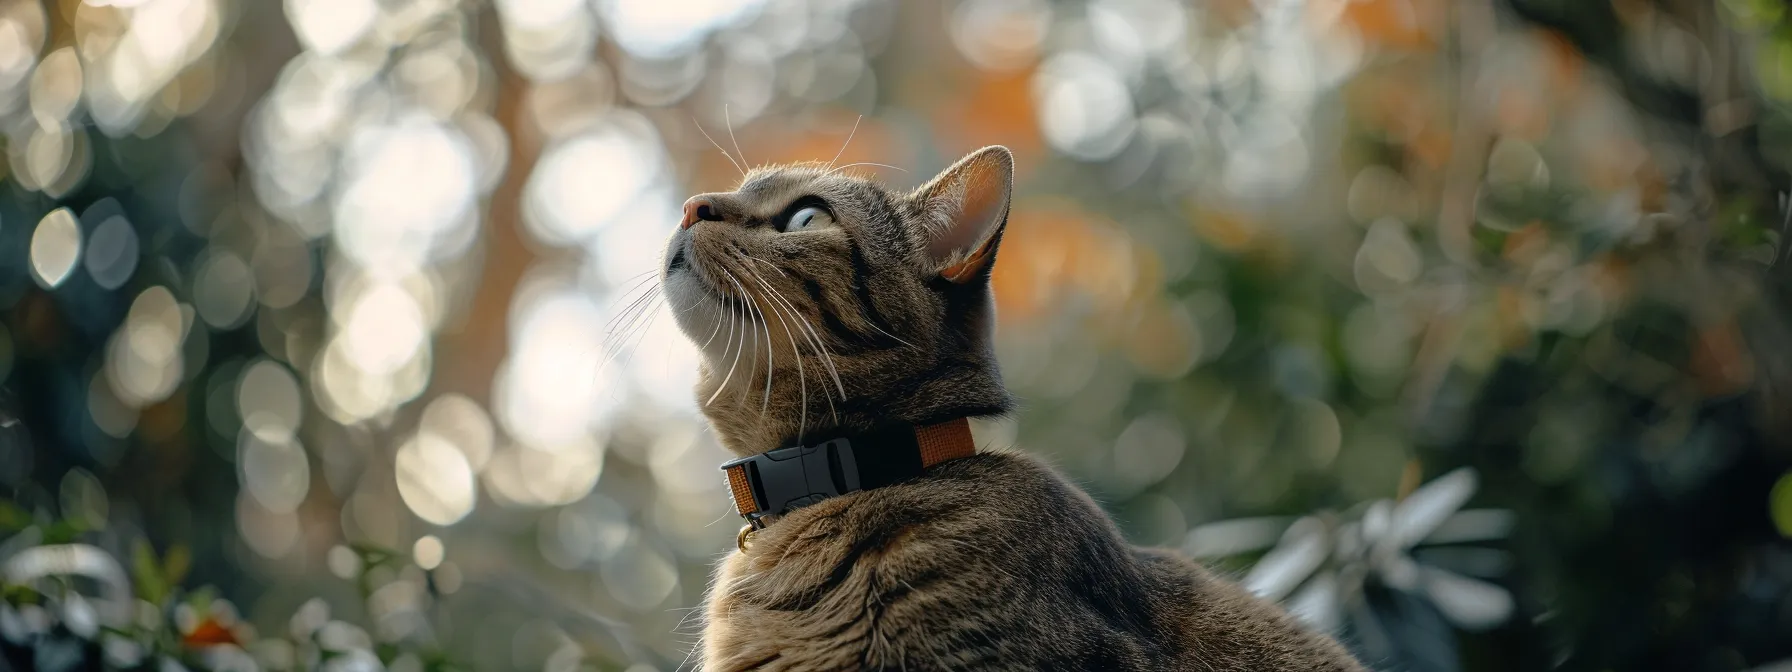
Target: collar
<point>779,481</point>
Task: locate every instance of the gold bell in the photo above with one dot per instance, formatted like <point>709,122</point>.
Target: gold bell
<point>745,538</point>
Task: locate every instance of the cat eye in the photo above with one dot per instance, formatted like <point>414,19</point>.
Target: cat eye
<point>806,218</point>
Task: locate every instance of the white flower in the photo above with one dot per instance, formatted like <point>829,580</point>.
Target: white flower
<point>1320,564</point>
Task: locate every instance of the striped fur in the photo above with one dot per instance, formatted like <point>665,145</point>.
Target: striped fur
<point>989,562</point>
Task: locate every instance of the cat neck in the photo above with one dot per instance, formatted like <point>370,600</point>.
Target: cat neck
<point>748,420</point>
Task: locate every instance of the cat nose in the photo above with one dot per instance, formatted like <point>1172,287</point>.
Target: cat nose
<point>699,209</point>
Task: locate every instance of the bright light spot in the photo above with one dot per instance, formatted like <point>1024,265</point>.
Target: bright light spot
<point>21,37</point>
<point>434,480</point>
<point>343,562</point>
<point>583,184</point>
<point>56,158</point>
<point>55,247</point>
<point>460,421</point>
<point>747,80</point>
<point>591,530</point>
<point>223,290</point>
<point>270,534</point>
<point>428,552</point>
<point>144,361</point>
<point>385,329</point>
<point>641,576</point>
<point>112,253</point>
<point>675,464</point>
<point>553,52</point>
<point>665,29</point>
<point>664,363</point>
<point>539,14</point>
<point>1269,159</point>
<point>111,415</point>
<point>1147,451</point>
<point>329,26</point>
<point>551,389</point>
<point>1133,28</point>
<point>1000,34</point>
<point>268,401</point>
<point>1388,258</point>
<point>524,476</point>
<point>282,269</point>
<point>410,186</point>
<point>277,474</point>
<point>1085,109</point>
<point>344,392</point>
<point>164,36</point>
<point>56,86</point>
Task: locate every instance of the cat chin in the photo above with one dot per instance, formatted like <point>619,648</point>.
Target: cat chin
<point>697,309</point>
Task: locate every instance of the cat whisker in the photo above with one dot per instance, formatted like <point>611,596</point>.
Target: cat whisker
<point>713,332</point>
<point>725,154</point>
<point>843,145</point>
<point>770,354</point>
<point>766,401</point>
<point>863,163</point>
<point>637,285</point>
<point>827,357</point>
<point>769,265</point>
<point>732,320</point>
<point>814,338</point>
<point>775,299</point>
<point>626,322</point>
<point>730,124</point>
<point>628,313</point>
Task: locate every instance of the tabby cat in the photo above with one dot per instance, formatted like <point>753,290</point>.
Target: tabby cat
<point>825,305</point>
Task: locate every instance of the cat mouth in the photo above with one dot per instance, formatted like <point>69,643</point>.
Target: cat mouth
<point>680,260</point>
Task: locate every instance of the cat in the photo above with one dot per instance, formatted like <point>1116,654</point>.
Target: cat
<point>826,306</point>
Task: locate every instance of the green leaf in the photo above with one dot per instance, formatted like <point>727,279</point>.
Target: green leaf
<point>374,556</point>
<point>201,600</point>
<point>64,531</point>
<point>147,573</point>
<point>13,517</point>
<point>19,595</point>
<point>176,564</point>
<point>1779,505</point>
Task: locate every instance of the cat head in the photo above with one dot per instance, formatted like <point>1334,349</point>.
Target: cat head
<point>822,301</point>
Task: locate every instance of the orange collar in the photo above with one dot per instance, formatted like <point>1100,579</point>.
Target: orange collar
<point>779,481</point>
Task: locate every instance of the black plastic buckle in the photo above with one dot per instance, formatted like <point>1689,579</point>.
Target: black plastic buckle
<point>786,479</point>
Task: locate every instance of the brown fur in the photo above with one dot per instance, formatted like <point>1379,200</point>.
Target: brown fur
<point>989,562</point>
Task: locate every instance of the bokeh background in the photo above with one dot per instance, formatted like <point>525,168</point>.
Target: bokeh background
<point>1457,325</point>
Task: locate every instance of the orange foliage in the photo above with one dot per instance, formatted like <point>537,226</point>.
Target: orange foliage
<point>1162,341</point>
<point>1052,248</point>
<point>1521,112</point>
<point>209,633</point>
<point>1395,24</point>
<point>1387,101</point>
<point>1513,330</point>
<point>993,109</point>
<point>1610,277</point>
<point>1526,244</point>
<point>1227,231</point>
<point>1720,362</point>
<point>1566,63</point>
<point>1430,147</point>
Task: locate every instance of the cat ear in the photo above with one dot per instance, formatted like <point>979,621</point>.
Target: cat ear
<point>965,208</point>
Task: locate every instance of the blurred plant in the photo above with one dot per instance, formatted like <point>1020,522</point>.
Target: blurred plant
<point>283,278</point>
<point>70,605</point>
<point>1330,568</point>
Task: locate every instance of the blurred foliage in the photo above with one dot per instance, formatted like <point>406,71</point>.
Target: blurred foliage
<point>1458,325</point>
